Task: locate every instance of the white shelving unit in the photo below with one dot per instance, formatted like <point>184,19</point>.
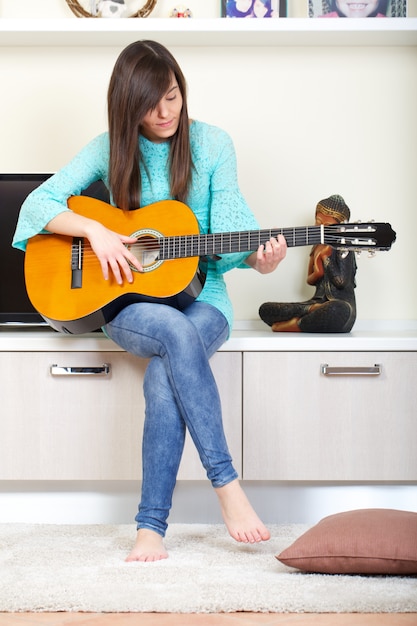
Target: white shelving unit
<point>209,32</point>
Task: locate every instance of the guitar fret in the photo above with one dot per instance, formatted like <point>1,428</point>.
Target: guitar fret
<point>185,245</point>
<point>218,243</point>
<point>197,249</point>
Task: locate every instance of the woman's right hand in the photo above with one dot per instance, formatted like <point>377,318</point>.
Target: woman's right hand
<point>109,247</point>
<point>114,256</point>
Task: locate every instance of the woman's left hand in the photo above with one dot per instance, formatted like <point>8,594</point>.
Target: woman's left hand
<point>267,257</point>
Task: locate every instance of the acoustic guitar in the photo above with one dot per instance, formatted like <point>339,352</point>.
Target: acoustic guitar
<point>64,280</point>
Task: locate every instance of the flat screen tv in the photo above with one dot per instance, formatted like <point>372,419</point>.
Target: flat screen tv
<point>15,306</point>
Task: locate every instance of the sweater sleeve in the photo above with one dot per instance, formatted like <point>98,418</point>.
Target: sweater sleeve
<point>229,211</point>
<point>50,198</point>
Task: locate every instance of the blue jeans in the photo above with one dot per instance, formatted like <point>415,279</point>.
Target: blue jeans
<point>180,392</point>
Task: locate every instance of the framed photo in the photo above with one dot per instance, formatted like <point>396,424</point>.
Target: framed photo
<point>111,8</point>
<point>365,8</point>
<point>253,8</point>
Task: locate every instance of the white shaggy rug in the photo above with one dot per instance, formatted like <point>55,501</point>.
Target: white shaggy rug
<point>82,568</point>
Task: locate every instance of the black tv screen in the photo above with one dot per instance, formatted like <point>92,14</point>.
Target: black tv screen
<point>15,306</point>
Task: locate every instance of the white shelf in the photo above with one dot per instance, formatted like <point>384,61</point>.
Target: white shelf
<point>209,32</point>
<point>258,338</point>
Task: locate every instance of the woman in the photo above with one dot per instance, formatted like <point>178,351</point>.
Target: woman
<point>153,152</point>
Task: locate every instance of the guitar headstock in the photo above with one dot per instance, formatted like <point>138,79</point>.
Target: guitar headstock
<point>360,236</point>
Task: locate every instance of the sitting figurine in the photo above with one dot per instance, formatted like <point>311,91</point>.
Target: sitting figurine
<point>332,309</point>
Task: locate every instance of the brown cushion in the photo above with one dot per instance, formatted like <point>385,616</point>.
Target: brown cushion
<point>367,541</point>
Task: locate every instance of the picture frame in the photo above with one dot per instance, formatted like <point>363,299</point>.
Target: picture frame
<point>112,9</point>
<point>253,8</point>
<point>370,8</point>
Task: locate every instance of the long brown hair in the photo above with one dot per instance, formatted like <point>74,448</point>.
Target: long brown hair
<point>141,77</point>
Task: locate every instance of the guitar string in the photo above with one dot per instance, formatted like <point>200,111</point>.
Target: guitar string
<point>183,247</point>
<point>196,245</point>
<point>236,242</point>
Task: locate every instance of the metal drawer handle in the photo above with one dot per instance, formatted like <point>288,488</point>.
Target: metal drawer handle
<point>61,370</point>
<point>351,371</point>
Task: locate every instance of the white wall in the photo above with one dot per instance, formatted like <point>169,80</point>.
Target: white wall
<point>307,122</point>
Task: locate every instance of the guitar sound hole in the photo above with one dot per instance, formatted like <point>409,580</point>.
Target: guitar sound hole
<point>146,250</point>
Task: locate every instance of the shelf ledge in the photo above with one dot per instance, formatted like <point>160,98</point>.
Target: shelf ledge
<point>209,32</point>
<point>254,336</point>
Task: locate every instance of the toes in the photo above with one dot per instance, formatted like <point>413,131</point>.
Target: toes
<point>251,536</point>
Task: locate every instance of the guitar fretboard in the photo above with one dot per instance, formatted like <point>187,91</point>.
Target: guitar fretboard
<point>242,241</point>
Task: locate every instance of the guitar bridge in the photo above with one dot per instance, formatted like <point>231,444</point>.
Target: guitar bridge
<point>77,263</point>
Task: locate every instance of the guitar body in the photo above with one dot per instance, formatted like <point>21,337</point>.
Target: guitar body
<point>93,301</point>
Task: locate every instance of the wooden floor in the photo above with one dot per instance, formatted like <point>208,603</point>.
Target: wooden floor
<point>200,619</point>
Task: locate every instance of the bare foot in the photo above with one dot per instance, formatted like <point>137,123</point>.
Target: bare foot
<point>148,547</point>
<point>241,520</point>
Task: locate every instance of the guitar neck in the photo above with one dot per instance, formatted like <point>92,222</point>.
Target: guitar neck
<point>240,241</point>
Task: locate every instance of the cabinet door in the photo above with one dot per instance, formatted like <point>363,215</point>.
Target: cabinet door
<point>86,426</point>
<point>300,424</point>
<point>70,427</point>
